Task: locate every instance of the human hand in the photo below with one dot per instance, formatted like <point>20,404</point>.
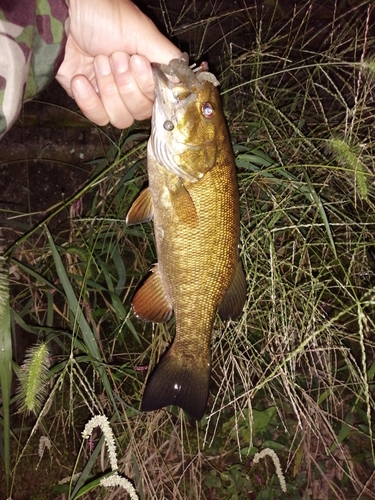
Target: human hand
<point>107,67</point>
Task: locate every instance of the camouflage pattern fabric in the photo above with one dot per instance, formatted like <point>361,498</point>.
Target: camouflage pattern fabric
<point>32,43</point>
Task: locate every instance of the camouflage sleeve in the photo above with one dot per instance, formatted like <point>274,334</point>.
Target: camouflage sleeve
<point>32,43</point>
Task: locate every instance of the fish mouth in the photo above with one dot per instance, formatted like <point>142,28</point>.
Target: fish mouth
<point>190,80</point>
<point>170,93</point>
<point>160,78</point>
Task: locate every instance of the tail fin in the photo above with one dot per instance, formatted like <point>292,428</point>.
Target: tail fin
<point>181,381</point>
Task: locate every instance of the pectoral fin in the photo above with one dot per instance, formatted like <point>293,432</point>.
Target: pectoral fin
<point>183,204</point>
<point>150,302</point>
<point>235,298</point>
<point>142,209</point>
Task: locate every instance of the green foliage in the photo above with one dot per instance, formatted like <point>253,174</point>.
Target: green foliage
<point>247,425</point>
<point>296,373</point>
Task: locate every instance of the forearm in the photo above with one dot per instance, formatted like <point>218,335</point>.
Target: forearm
<point>32,43</point>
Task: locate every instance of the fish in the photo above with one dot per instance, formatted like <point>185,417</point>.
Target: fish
<point>193,199</point>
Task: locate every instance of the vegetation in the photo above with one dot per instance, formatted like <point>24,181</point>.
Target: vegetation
<point>295,374</point>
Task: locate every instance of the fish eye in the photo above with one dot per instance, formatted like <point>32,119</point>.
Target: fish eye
<point>208,110</point>
<point>168,125</point>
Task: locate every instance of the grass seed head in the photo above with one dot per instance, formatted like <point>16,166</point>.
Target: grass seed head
<point>347,158</point>
<point>369,67</point>
<point>34,378</point>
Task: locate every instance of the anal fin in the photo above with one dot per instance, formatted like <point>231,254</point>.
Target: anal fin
<point>150,302</point>
<point>142,209</point>
<point>235,298</point>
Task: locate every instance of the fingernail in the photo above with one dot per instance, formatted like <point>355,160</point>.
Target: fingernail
<point>103,66</point>
<point>79,88</point>
<point>119,62</point>
<point>140,66</point>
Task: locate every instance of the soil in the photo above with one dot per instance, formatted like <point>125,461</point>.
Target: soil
<point>43,159</point>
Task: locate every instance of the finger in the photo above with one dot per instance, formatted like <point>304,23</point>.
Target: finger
<point>88,100</point>
<point>113,103</point>
<point>136,88</point>
<point>141,69</point>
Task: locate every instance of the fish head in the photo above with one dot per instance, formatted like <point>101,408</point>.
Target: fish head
<point>187,119</point>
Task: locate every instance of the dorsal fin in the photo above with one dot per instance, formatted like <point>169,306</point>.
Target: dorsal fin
<point>235,298</point>
<point>150,302</point>
<point>142,209</point>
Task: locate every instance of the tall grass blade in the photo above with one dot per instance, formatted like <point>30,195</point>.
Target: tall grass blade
<point>87,333</point>
<point>87,470</point>
<point>5,363</point>
<point>323,214</point>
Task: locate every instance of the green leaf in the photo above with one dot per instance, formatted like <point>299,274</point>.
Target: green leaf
<point>120,266</point>
<point>262,419</point>
<point>87,470</point>
<point>274,445</point>
<point>91,485</point>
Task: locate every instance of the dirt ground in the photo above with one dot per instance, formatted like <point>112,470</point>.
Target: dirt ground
<point>43,159</point>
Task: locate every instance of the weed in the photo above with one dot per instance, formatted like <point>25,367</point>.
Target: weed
<point>295,374</point>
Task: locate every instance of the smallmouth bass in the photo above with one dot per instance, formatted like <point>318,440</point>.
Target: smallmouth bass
<point>193,200</point>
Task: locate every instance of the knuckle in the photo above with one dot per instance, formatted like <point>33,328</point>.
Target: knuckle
<point>108,90</point>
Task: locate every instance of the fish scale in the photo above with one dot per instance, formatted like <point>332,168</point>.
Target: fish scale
<point>193,199</point>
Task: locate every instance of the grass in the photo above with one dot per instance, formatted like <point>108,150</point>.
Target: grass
<point>295,374</point>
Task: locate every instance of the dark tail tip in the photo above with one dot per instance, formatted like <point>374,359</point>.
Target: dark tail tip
<point>181,382</point>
